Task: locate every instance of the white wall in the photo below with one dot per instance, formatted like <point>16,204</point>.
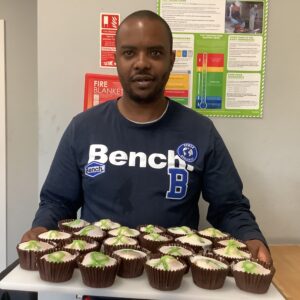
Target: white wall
<point>21,117</point>
<point>2,149</point>
<point>265,150</point>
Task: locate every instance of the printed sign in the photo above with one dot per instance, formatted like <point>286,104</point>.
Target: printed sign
<point>109,24</point>
<point>101,88</point>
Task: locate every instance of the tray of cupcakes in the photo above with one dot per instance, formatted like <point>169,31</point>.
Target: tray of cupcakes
<point>106,249</point>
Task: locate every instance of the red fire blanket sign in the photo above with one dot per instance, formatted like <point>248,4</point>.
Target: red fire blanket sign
<point>108,27</point>
<point>101,88</point>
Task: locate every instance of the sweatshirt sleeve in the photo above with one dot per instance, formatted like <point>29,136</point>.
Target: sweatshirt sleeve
<point>61,195</point>
<point>229,210</point>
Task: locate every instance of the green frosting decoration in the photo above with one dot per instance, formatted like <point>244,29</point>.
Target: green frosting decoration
<point>155,236</point>
<point>53,234</point>
<point>174,251</point>
<point>33,245</point>
<point>215,232</point>
<point>124,230</point>
<point>185,229</point>
<point>199,238</point>
<point>78,244</point>
<point>214,263</point>
<point>120,239</point>
<point>105,223</point>
<point>249,267</point>
<point>85,231</point>
<point>149,229</point>
<point>99,259</point>
<point>163,261</point>
<point>73,223</point>
<point>56,257</point>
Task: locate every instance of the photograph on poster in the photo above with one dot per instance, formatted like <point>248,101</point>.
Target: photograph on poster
<point>243,17</point>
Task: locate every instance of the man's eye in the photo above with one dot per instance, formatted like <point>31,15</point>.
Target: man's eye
<point>155,53</point>
<point>128,53</point>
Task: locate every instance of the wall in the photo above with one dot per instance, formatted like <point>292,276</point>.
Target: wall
<point>265,150</point>
<point>21,117</point>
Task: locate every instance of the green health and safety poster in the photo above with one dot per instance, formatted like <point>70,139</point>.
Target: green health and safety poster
<point>220,50</point>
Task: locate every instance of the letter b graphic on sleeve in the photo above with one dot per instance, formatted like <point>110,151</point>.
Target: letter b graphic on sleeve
<point>178,183</point>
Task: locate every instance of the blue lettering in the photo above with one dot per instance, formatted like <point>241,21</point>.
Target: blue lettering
<point>178,183</point>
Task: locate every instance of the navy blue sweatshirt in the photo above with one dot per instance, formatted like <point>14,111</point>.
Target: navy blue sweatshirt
<point>150,173</point>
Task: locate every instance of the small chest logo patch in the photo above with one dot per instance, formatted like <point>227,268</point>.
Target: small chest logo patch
<point>188,152</point>
<point>94,169</point>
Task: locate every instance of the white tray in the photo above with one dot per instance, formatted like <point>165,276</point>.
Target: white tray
<point>19,279</point>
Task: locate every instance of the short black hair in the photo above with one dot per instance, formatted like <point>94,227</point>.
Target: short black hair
<point>148,14</point>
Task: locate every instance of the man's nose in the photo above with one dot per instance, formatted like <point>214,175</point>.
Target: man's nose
<point>142,61</point>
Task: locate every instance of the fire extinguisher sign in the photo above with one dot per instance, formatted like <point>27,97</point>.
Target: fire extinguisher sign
<point>109,23</point>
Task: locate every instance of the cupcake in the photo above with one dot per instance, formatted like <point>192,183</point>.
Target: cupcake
<point>153,241</point>
<point>118,242</point>
<point>97,269</point>
<point>196,242</point>
<point>231,243</point>
<point>151,229</point>
<point>58,237</point>
<point>131,261</point>
<point>232,253</point>
<point>57,266</point>
<point>91,233</point>
<point>178,251</point>
<point>124,230</point>
<point>179,231</point>
<point>30,251</point>
<point>213,234</point>
<point>165,272</point>
<point>252,276</point>
<point>81,246</point>
<point>107,224</point>
<point>72,225</point>
<point>208,272</point>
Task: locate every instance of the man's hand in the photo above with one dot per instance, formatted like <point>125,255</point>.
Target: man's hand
<point>33,233</point>
<point>259,251</point>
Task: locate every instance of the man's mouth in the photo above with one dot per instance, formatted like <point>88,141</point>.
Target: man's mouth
<point>143,81</point>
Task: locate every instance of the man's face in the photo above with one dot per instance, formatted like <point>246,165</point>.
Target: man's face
<point>144,59</point>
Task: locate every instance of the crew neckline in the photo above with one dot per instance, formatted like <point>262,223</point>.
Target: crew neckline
<point>143,124</point>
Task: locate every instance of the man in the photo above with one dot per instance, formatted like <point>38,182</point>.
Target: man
<point>144,159</point>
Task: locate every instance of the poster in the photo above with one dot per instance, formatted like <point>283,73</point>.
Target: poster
<point>227,43</point>
<point>100,88</point>
<point>108,27</point>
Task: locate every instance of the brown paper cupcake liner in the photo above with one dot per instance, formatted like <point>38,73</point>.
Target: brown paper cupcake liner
<point>127,235</point>
<point>164,280</point>
<point>217,244</point>
<point>215,240</point>
<point>82,251</point>
<point>28,259</point>
<point>59,242</point>
<point>91,239</point>
<point>209,279</point>
<point>254,283</point>
<point>163,229</point>
<point>196,248</point>
<point>68,228</point>
<point>109,249</point>
<point>98,277</point>
<point>230,260</point>
<point>175,235</point>
<point>56,272</point>
<point>131,268</point>
<point>154,245</point>
<point>185,258</point>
